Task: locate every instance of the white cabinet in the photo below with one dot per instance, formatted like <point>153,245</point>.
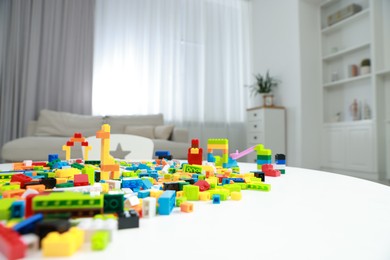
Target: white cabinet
<point>266,126</point>
<point>355,100</point>
<point>349,147</point>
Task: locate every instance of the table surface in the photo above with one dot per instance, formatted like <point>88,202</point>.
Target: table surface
<point>307,215</point>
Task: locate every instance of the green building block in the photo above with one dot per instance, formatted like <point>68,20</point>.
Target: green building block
<point>192,168</point>
<point>7,187</point>
<point>182,184</point>
<point>100,240</point>
<point>65,185</point>
<point>218,141</point>
<point>5,208</point>
<point>5,176</point>
<point>232,187</point>
<point>90,171</point>
<point>66,200</point>
<point>191,192</point>
<point>129,174</point>
<point>201,177</point>
<point>172,170</point>
<point>264,157</point>
<point>77,166</point>
<point>113,203</point>
<point>259,186</point>
<point>180,200</point>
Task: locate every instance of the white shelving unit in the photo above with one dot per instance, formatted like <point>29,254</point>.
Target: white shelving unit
<point>356,147</point>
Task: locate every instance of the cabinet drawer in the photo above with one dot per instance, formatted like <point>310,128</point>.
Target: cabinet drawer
<point>255,126</point>
<point>257,138</point>
<point>255,115</point>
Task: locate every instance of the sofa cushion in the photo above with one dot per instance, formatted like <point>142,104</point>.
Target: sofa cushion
<point>145,131</point>
<point>119,123</point>
<point>163,131</point>
<point>53,123</point>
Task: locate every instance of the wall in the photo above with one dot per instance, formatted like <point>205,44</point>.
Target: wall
<point>281,41</point>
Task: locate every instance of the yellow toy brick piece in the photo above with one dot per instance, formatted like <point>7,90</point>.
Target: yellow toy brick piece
<point>67,173</point>
<point>204,195</point>
<point>235,195</point>
<point>179,194</point>
<point>66,244</point>
<point>105,187</point>
<point>156,193</point>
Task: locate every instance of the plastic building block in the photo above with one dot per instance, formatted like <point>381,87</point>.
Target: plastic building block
<point>51,225</point>
<point>66,244</point>
<point>28,225</point>
<point>192,168</point>
<point>180,200</point>
<point>21,178</point>
<point>216,199</point>
<point>113,203</point>
<point>195,153</point>
<point>128,219</point>
<point>100,240</point>
<point>236,195</point>
<point>259,186</point>
<point>78,204</point>
<point>191,192</point>
<point>259,174</point>
<point>5,208</point>
<point>143,194</point>
<point>223,193</point>
<point>171,186</point>
<point>149,207</point>
<point>52,157</point>
<point>49,183</point>
<point>204,195</point>
<point>269,170</point>
<point>203,185</point>
<point>11,245</point>
<point>81,180</point>
<point>156,193</point>
<point>187,207</point>
<point>17,209</point>
<point>166,202</point>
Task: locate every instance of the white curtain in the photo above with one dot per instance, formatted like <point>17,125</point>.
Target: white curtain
<point>187,59</point>
<point>46,52</point>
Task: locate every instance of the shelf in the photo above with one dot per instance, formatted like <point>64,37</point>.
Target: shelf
<point>344,81</point>
<point>349,123</point>
<point>327,3</point>
<point>342,23</point>
<point>346,51</point>
<point>385,72</point>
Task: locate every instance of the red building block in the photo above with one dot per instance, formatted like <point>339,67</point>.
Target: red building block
<point>203,185</point>
<point>11,246</point>
<point>21,178</point>
<point>81,180</point>
<point>195,154</point>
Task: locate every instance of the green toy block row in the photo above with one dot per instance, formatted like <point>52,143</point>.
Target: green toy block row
<point>264,157</point>
<point>130,174</point>
<point>7,187</point>
<point>65,185</point>
<point>77,166</point>
<point>192,168</point>
<point>233,187</point>
<point>5,176</point>
<point>100,240</point>
<point>259,186</point>
<point>218,141</point>
<point>67,200</point>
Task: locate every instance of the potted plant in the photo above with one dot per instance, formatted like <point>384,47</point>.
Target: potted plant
<point>365,66</point>
<point>263,87</point>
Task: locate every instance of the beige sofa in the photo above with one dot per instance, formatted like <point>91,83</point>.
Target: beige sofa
<point>53,129</point>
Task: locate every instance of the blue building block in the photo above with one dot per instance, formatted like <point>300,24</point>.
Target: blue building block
<point>166,202</point>
<point>154,174</point>
<point>134,184</point>
<point>216,199</point>
<point>17,209</point>
<point>143,194</point>
<point>162,153</point>
<point>52,157</point>
<point>28,225</point>
<point>146,184</point>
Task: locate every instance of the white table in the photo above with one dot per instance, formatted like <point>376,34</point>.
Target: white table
<point>307,215</point>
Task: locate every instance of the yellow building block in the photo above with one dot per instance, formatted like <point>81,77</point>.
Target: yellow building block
<point>66,244</point>
<point>179,194</point>
<point>67,173</point>
<point>105,187</point>
<point>235,195</point>
<point>204,195</point>
<point>156,193</point>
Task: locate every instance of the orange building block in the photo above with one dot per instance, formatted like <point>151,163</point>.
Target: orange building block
<point>187,207</point>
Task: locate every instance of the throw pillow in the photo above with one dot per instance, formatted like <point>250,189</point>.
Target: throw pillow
<point>53,123</point>
<point>145,131</point>
<point>163,131</point>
